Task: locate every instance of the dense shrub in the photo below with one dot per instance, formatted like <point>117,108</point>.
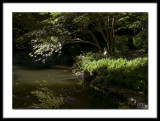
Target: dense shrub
<point>131,74</point>
<point>141,40</point>
<point>121,44</point>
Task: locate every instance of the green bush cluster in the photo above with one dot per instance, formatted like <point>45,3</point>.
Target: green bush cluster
<point>141,40</point>
<point>121,44</point>
<point>132,74</point>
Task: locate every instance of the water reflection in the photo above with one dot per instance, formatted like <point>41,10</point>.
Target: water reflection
<point>58,88</point>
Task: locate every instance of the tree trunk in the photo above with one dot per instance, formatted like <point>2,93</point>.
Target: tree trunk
<point>112,36</point>
<point>104,36</point>
<point>96,40</point>
<point>109,36</point>
<point>108,32</point>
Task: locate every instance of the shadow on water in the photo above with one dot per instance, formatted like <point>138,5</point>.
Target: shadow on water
<point>58,88</point>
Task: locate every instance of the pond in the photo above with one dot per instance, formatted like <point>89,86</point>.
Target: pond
<point>58,88</point>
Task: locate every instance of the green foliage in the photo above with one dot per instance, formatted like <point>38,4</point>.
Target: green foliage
<point>45,33</point>
<point>141,85</point>
<point>138,23</point>
<point>118,71</point>
<point>90,56</point>
<point>41,31</point>
<point>141,40</point>
<point>121,44</point>
<point>24,23</point>
<point>132,20</point>
<point>82,21</point>
<point>44,50</point>
<point>83,60</point>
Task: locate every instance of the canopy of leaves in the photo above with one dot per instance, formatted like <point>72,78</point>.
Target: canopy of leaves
<point>46,32</point>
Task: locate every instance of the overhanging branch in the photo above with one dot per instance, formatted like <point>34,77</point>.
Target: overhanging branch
<point>78,40</point>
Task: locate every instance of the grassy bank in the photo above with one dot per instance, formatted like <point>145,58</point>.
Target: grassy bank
<point>130,74</point>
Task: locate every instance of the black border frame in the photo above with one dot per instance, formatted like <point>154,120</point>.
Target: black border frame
<point>153,1</point>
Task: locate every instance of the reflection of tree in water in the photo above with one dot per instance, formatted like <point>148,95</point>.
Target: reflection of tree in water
<point>75,98</point>
<point>47,98</point>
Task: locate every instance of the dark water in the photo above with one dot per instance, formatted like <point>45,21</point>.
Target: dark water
<point>58,88</point>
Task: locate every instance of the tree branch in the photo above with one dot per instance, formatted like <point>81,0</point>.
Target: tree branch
<point>81,41</point>
<point>95,39</point>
